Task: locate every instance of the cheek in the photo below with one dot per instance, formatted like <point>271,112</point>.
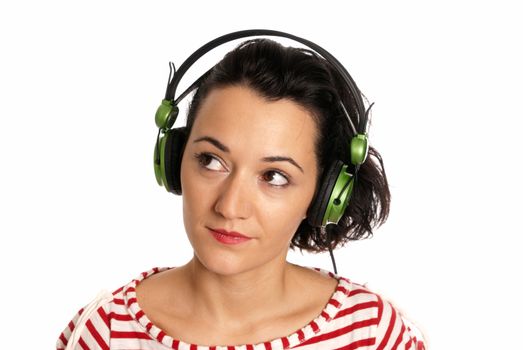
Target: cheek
<point>284,219</point>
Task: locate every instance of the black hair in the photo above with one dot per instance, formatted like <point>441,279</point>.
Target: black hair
<point>276,72</point>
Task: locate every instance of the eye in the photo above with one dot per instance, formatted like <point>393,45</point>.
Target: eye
<point>276,178</point>
<point>208,161</point>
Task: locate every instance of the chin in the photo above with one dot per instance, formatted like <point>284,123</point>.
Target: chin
<point>215,258</point>
<point>220,265</point>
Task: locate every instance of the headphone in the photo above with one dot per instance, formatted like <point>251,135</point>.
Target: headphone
<point>337,183</point>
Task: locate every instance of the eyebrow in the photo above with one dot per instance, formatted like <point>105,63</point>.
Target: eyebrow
<point>226,149</point>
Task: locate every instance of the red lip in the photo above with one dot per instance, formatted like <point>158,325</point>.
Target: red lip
<point>229,238</point>
<point>229,233</point>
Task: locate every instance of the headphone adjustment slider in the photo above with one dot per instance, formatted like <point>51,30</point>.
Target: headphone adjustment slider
<point>166,115</point>
<point>359,147</point>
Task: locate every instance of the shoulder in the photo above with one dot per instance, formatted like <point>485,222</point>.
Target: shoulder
<point>89,328</point>
<point>108,315</point>
<point>388,327</point>
<point>365,318</point>
<point>395,331</point>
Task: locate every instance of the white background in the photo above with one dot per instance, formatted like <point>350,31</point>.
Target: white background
<point>81,210</point>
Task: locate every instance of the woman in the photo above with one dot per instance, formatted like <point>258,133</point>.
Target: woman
<point>267,129</point>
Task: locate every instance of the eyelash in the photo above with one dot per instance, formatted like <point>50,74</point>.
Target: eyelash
<point>201,157</point>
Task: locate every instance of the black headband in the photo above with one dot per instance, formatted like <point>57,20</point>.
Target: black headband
<point>176,76</point>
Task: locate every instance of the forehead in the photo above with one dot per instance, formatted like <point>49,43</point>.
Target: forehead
<point>242,118</point>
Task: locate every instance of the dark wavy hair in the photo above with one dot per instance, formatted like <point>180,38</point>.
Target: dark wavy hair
<point>276,72</point>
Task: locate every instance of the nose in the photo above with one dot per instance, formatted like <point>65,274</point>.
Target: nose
<point>234,201</point>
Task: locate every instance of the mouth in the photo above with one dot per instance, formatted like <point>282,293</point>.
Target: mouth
<point>228,237</point>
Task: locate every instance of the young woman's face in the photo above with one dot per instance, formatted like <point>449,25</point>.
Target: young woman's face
<point>249,166</point>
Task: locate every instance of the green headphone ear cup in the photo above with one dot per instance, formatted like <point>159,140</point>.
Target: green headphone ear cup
<point>339,198</point>
<point>321,200</point>
<point>174,146</point>
<point>159,164</point>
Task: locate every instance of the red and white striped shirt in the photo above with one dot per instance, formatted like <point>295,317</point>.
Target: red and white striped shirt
<point>354,318</point>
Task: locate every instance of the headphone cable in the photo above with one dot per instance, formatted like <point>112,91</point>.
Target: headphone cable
<point>333,261</point>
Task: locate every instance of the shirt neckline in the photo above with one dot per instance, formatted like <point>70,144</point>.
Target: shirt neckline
<point>337,299</point>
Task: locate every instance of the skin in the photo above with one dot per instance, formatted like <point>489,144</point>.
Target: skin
<point>244,293</point>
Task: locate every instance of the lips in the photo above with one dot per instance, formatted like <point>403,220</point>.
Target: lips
<point>228,233</point>
<point>228,237</point>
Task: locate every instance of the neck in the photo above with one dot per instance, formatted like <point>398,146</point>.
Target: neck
<point>231,299</point>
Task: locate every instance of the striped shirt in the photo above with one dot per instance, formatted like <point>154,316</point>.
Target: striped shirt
<point>354,318</point>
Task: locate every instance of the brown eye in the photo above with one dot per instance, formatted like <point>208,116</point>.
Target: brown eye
<point>275,178</point>
<point>208,161</point>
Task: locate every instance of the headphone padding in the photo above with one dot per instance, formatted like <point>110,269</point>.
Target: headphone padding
<point>323,196</point>
<point>174,146</point>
